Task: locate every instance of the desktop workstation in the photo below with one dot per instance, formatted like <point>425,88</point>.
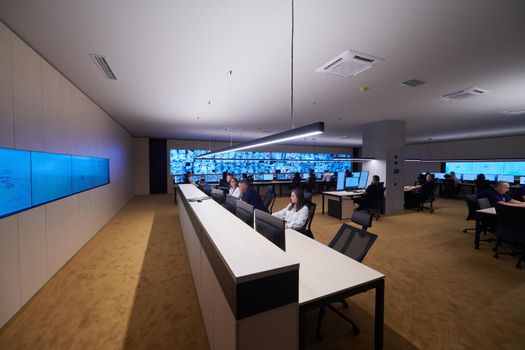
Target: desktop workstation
<point>232,264</point>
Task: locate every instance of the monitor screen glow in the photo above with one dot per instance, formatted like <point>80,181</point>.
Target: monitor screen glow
<point>15,181</point>
<point>506,178</point>
<point>469,177</point>
<point>351,182</point>
<point>439,176</point>
<point>522,180</point>
<point>268,177</point>
<point>363,179</point>
<point>340,182</point>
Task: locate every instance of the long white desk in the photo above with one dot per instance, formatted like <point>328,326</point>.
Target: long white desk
<point>345,206</point>
<point>252,294</point>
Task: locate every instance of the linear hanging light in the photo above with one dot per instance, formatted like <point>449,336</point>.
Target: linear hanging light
<point>358,160</point>
<point>292,134</point>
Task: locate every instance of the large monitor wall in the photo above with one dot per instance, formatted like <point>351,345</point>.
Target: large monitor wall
<point>29,179</point>
<point>487,168</point>
<point>183,160</point>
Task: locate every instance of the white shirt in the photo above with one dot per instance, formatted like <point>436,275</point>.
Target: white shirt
<point>235,192</point>
<point>294,219</point>
<point>327,177</point>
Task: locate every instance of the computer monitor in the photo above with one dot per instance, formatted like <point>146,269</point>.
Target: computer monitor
<point>363,179</point>
<point>267,177</point>
<point>231,204</point>
<point>340,182</point>
<point>270,227</point>
<point>283,177</point>
<point>356,174</point>
<point>319,176</point>
<point>439,176</point>
<point>506,178</point>
<point>351,182</point>
<point>490,177</point>
<point>258,177</point>
<point>469,177</point>
<point>522,180</point>
<point>245,212</point>
<point>217,195</point>
<point>306,175</point>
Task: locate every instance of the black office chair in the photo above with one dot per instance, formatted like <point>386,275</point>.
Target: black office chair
<point>427,197</point>
<point>449,188</point>
<point>376,205</point>
<point>354,243</point>
<point>307,228</point>
<point>472,205</point>
<point>363,219</point>
<point>308,196</point>
<point>483,203</point>
<point>268,200</point>
<point>510,230</point>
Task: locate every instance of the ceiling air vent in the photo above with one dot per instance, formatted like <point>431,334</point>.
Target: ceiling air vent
<point>349,63</point>
<point>514,111</point>
<point>103,64</point>
<point>463,94</point>
<point>412,82</point>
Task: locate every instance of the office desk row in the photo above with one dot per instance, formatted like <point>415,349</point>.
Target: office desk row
<point>280,183</point>
<point>252,294</point>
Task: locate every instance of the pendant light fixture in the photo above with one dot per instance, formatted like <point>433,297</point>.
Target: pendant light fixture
<point>291,134</point>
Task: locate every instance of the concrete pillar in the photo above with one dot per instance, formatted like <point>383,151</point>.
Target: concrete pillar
<point>385,141</point>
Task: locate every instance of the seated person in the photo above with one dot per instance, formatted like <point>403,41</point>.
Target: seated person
<point>456,183</point>
<point>223,182</point>
<point>250,195</point>
<point>296,214</point>
<point>310,183</point>
<point>296,181</point>
<point>499,195</point>
<point>416,194</point>
<point>234,190</point>
<point>367,195</point>
<point>188,178</point>
<point>481,183</point>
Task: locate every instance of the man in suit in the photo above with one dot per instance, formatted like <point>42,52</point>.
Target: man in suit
<point>250,195</point>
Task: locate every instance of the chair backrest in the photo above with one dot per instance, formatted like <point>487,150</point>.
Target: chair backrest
<point>269,198</point>
<point>353,242</point>
<point>311,213</point>
<point>510,223</point>
<point>377,196</point>
<point>307,196</point>
<point>472,205</point>
<point>483,203</point>
<point>362,218</point>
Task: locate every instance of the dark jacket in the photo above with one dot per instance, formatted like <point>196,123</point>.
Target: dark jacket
<point>252,197</point>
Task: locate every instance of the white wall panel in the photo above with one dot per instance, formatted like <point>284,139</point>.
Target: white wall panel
<point>10,300</point>
<point>86,229</point>
<point>6,89</point>
<point>53,109</point>
<point>33,252</point>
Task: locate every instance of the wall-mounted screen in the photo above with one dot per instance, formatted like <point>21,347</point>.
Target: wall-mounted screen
<point>15,181</point>
<point>28,179</point>
<point>503,168</point>
<point>506,178</point>
<point>469,177</point>
<point>182,161</point>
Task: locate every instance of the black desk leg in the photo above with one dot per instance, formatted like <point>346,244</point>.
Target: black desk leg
<point>380,313</point>
<point>323,205</point>
<point>478,233</point>
<point>301,329</point>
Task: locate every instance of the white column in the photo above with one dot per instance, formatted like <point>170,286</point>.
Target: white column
<point>385,141</point>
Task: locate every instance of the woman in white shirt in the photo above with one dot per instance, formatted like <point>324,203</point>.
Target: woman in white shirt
<point>235,190</point>
<point>296,214</point>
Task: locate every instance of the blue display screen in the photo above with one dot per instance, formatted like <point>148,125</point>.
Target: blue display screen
<point>351,182</point>
<point>503,168</point>
<point>257,163</point>
<point>28,179</point>
<point>15,181</point>
<point>340,183</point>
<point>50,177</point>
<point>363,179</point>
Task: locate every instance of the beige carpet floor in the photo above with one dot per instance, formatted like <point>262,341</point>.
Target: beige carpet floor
<point>130,287</point>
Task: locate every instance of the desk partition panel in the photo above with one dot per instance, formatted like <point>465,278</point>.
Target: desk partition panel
<point>29,179</point>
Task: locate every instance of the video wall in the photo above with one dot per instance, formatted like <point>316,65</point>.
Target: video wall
<point>257,163</point>
<point>491,170</point>
<point>29,179</point>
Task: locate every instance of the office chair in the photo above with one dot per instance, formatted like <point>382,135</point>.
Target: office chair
<point>483,203</point>
<point>363,219</point>
<point>472,206</point>
<point>268,200</point>
<point>307,228</point>
<point>376,205</point>
<point>449,188</point>
<point>308,196</point>
<point>427,197</point>
<point>510,230</point>
<point>488,224</point>
<point>354,243</point>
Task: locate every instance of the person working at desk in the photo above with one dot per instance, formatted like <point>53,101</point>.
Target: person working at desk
<point>456,183</point>
<point>481,183</point>
<point>327,179</point>
<point>499,195</point>
<point>296,214</point>
<point>296,181</point>
<point>414,194</point>
<point>188,178</point>
<point>250,195</point>
<point>234,190</point>
<point>367,195</point>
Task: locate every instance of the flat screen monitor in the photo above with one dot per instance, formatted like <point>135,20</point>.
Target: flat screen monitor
<point>217,195</point>
<point>306,175</point>
<point>51,177</point>
<point>356,174</point>
<point>283,177</point>
<point>340,182</point>
<point>267,177</point>
<point>522,180</point>
<point>469,177</point>
<point>352,182</point>
<point>319,176</point>
<point>271,228</point>
<point>363,179</point>
<point>245,212</point>
<point>506,178</point>
<point>439,176</point>
<point>258,177</point>
<point>231,204</point>
<point>490,177</point>
<point>15,181</point>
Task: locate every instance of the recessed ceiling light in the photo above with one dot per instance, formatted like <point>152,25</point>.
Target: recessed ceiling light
<point>514,111</point>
